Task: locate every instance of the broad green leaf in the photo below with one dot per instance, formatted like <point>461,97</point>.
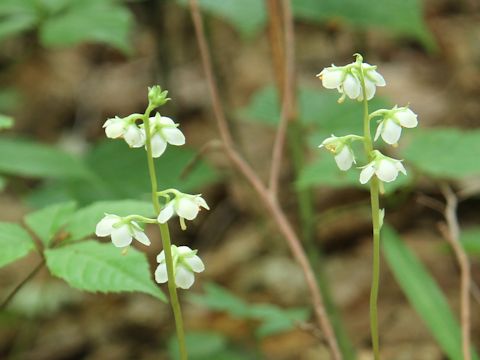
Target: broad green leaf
<point>398,17</point>
<point>96,267</point>
<point>471,240</point>
<point>247,16</point>
<point>201,345</point>
<point>90,21</point>
<point>15,243</point>
<point>444,152</point>
<point>423,293</point>
<point>15,24</point>
<point>6,122</point>
<point>3,183</point>
<point>83,222</point>
<point>46,223</point>
<point>31,159</point>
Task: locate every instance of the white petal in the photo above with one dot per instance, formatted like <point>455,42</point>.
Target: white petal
<point>105,226</point>
<point>183,250</point>
<point>366,173</point>
<point>195,263</point>
<point>201,202</point>
<point>407,118</point>
<point>166,213</point>
<point>141,237</point>
<point>400,167</point>
<point>134,136</point>
<point>331,78</point>
<point>174,136</point>
<point>115,130</point>
<point>369,89</point>
<point>351,86</point>
<point>184,278</point>
<point>391,132</point>
<point>344,158</point>
<point>386,170</point>
<point>187,208</point>
<point>379,130</point>
<point>165,120</point>
<point>121,236</point>
<point>158,145</point>
<point>161,257</point>
<point>161,275</point>
<point>376,78</point>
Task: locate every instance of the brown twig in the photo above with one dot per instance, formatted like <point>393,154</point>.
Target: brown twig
<point>17,288</point>
<point>270,202</point>
<point>451,232</point>
<point>205,149</point>
<point>286,79</point>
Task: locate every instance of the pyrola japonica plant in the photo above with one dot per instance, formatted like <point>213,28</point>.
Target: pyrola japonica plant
<point>176,265</point>
<point>358,81</point>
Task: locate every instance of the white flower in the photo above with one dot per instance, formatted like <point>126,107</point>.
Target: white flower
<point>115,127</point>
<point>340,147</point>
<point>124,127</point>
<point>185,264</point>
<point>390,128</point>
<point>384,167</point>
<point>121,232</point>
<point>134,136</point>
<point>163,131</point>
<point>347,79</point>
<point>184,205</point>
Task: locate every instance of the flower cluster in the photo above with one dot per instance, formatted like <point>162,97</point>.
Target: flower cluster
<point>354,80</point>
<point>154,133</point>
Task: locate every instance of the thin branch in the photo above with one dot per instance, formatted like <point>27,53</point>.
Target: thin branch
<point>287,87</point>
<point>17,288</point>
<point>451,232</point>
<point>270,202</point>
<point>205,149</point>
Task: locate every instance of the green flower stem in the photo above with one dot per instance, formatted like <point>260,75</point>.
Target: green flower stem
<point>165,233</point>
<point>375,203</point>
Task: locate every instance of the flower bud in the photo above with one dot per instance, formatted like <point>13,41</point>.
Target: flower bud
<point>157,97</point>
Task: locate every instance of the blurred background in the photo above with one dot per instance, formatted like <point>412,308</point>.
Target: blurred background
<point>68,65</point>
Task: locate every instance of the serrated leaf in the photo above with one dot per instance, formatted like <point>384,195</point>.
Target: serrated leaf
<point>83,222</point>
<point>6,122</point>
<point>423,293</point>
<point>31,159</point>
<point>444,152</point>
<point>90,21</point>
<point>15,243</point>
<point>247,16</point>
<point>398,17</point>
<point>46,222</point>
<point>96,267</point>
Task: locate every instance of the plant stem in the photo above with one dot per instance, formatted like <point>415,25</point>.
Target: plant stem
<point>165,234</point>
<point>375,203</point>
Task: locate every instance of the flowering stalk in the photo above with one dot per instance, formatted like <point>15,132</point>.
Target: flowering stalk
<point>375,204</point>
<point>165,235</point>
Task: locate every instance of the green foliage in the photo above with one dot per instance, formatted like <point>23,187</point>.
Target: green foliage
<point>273,319</point>
<point>47,222</point>
<point>205,346</point>
<point>444,152</point>
<point>470,239</point>
<point>398,17</point>
<point>68,22</point>
<point>247,16</point>
<point>83,222</point>
<point>6,122</point>
<point>31,159</point>
<point>423,293</point>
<point>96,267</point>
<point>15,243</point>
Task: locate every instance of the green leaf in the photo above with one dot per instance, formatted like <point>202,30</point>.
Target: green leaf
<point>471,240</point>
<point>398,17</point>
<point>83,222</point>
<point>6,122</point>
<point>247,16</point>
<point>200,345</point>
<point>3,183</point>
<point>15,24</point>
<point>31,159</point>
<point>101,21</point>
<point>15,243</point>
<point>423,293</point>
<point>444,152</point>
<point>96,267</point>
<point>46,223</point>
